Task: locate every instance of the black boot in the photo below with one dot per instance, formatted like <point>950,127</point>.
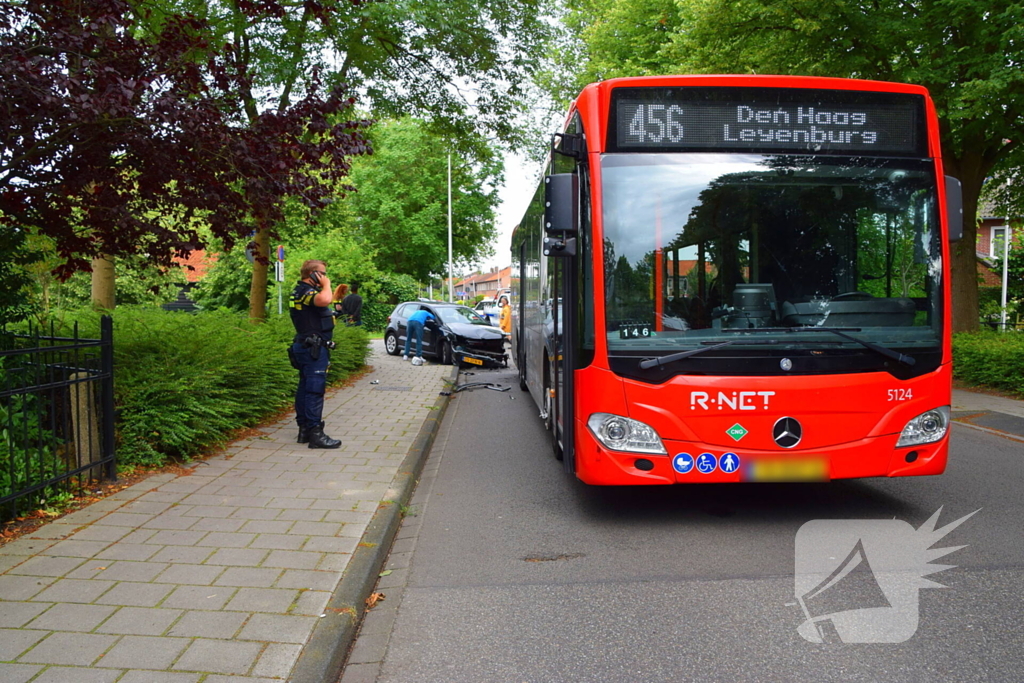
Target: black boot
<point>303,434</point>
<point>317,438</point>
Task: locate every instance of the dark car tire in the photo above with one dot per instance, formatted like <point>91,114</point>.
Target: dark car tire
<point>445,354</point>
<point>521,367</point>
<point>391,343</point>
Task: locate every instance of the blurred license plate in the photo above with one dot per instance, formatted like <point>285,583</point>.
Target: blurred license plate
<point>802,469</point>
<point>472,361</point>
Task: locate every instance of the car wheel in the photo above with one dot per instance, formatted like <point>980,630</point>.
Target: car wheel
<point>521,367</point>
<point>446,353</point>
<point>391,343</point>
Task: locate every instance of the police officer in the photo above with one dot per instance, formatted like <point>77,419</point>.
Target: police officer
<point>310,351</point>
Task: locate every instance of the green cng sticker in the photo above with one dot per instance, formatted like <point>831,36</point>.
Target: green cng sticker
<point>737,431</point>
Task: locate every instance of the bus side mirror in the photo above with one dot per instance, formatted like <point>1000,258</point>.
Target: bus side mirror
<point>561,202</point>
<point>954,209</point>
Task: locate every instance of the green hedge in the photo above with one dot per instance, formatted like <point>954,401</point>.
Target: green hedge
<point>375,315</point>
<point>184,382</point>
<point>990,359</point>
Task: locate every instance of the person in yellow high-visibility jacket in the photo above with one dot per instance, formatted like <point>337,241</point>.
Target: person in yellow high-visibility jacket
<point>505,318</point>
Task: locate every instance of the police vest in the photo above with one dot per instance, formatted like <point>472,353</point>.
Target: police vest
<point>307,317</point>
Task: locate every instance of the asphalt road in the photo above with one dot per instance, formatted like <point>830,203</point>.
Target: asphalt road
<point>522,574</point>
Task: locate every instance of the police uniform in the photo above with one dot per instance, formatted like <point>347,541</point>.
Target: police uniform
<point>309,352</point>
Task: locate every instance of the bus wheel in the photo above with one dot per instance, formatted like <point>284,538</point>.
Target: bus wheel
<point>549,411</point>
<point>521,366</point>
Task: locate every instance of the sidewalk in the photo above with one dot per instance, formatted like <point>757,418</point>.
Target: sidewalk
<point>225,575</point>
<point>233,574</point>
<point>1004,416</point>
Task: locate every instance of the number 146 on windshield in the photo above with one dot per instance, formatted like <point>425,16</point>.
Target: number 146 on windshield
<point>634,331</point>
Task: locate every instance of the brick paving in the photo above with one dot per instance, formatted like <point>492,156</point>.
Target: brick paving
<point>221,575</point>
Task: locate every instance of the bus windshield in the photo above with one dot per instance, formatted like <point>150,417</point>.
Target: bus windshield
<point>700,249</point>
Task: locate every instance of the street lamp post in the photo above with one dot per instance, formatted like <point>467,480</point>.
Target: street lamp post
<point>451,276</point>
<point>1006,258</point>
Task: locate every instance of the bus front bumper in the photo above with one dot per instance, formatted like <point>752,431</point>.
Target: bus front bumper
<point>693,463</point>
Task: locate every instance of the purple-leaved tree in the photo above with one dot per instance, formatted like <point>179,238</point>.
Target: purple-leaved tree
<point>113,143</point>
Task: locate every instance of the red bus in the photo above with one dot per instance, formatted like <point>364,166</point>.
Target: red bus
<point>740,278</point>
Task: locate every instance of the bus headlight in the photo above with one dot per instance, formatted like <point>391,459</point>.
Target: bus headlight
<point>623,434</point>
<point>925,428</point>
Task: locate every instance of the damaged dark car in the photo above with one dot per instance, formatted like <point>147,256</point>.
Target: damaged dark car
<point>460,334</point>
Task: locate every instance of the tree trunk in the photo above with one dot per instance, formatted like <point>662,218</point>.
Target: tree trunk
<point>258,289</point>
<point>970,170</point>
<point>103,282</point>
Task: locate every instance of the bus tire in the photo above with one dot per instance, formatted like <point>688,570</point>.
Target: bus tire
<point>549,409</point>
<point>521,367</point>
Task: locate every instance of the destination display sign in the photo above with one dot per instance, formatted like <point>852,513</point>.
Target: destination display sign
<point>761,119</point>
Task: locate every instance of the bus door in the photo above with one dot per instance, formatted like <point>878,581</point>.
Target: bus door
<point>519,330</point>
<point>561,284</point>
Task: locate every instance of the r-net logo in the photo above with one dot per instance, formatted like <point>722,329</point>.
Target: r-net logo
<point>857,581</point>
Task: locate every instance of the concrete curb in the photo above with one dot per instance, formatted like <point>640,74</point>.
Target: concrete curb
<point>323,658</point>
<point>989,430</point>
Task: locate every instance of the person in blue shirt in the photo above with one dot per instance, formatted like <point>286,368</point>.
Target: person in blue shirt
<point>416,322</point>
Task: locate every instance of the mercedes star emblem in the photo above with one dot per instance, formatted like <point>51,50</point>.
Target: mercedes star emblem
<point>787,432</point>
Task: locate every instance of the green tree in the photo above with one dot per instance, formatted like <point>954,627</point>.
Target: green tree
<point>401,207</point>
<point>227,283</point>
<point>114,138</point>
<point>45,297</point>
<point>620,38</point>
<point>1005,189</point>
<point>13,273</point>
<point>1014,272</point>
<point>966,52</point>
<point>461,64</point>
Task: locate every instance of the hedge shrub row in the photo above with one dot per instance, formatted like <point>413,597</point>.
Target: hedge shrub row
<point>375,315</point>
<point>184,382</point>
<point>990,359</point>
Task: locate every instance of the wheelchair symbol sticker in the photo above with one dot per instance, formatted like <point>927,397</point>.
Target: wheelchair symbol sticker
<point>706,463</point>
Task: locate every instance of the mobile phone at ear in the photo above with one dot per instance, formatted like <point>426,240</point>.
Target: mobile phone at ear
<point>315,277</point>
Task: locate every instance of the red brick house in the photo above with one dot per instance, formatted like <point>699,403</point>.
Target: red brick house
<point>194,267</point>
<point>991,233</point>
<point>486,284</point>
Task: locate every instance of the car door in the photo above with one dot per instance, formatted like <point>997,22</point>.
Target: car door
<point>429,337</point>
<point>402,322</point>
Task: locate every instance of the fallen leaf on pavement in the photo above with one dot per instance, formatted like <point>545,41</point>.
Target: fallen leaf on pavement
<point>373,599</point>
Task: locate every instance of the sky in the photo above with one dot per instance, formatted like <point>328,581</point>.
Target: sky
<point>521,179</point>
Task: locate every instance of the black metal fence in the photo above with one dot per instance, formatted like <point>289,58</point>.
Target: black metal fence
<point>56,415</point>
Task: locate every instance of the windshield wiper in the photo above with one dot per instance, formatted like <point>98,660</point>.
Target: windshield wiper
<point>839,332</point>
<point>649,363</point>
